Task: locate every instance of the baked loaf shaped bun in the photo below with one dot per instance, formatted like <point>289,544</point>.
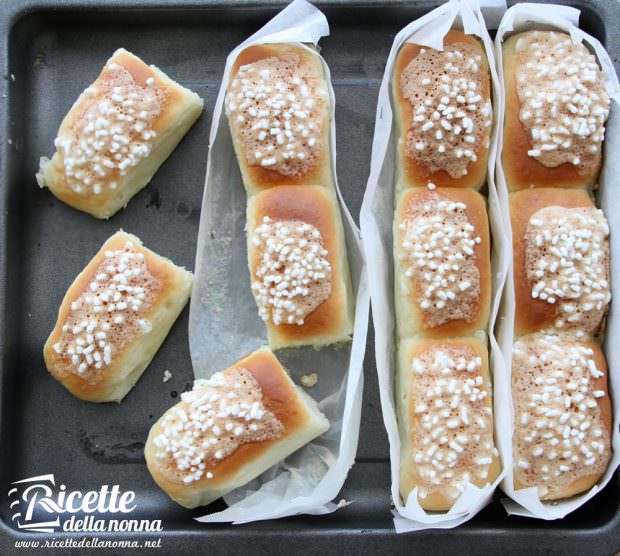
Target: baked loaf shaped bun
<point>556,108</point>
<point>229,429</point>
<point>446,421</point>
<point>299,267</point>
<point>279,109</point>
<point>562,429</point>
<point>114,318</point>
<point>116,135</point>
<point>442,262</point>
<point>443,113</point>
<point>561,261</point>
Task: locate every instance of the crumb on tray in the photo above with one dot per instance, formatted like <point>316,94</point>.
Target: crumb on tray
<point>309,380</point>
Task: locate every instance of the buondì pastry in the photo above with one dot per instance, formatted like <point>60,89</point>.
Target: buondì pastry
<point>229,429</point>
<point>442,269</point>
<point>113,319</point>
<point>116,135</point>
<point>446,419</point>
<point>443,113</point>
<point>562,415</point>
<point>299,267</point>
<point>556,109</point>
<point>278,108</point>
<point>561,262</point>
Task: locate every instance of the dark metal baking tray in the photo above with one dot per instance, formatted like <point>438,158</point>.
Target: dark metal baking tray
<point>50,50</point>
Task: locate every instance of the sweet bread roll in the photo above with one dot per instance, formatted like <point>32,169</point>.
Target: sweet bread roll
<point>442,262</point>
<point>278,109</point>
<point>562,413</point>
<point>229,429</point>
<point>114,318</point>
<point>443,113</point>
<point>561,261</point>
<point>116,135</point>
<point>556,108</point>
<point>298,265</point>
<point>446,421</point>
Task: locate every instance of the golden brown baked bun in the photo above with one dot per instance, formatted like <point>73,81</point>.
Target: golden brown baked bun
<point>563,415</point>
<point>546,223</point>
<point>299,267</point>
<point>116,135</point>
<point>446,231</point>
<point>113,319</point>
<point>523,170</point>
<point>286,143</point>
<point>446,419</point>
<point>236,425</point>
<point>450,149</point>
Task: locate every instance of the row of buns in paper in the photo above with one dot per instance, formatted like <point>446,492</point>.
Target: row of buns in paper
<point>556,109</point>
<point>442,271</point>
<point>555,112</point>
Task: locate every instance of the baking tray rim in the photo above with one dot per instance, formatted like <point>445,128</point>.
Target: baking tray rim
<point>11,12</point>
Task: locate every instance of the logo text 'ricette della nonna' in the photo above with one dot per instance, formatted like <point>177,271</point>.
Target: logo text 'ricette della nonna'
<point>38,504</point>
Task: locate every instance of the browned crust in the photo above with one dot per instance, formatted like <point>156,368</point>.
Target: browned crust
<point>532,315</point>
<point>262,178</point>
<point>523,171</point>
<point>140,71</point>
<point>604,404</point>
<point>161,269</point>
<point>438,502</point>
<point>314,205</point>
<point>477,214</point>
<point>415,174</point>
<point>279,397</point>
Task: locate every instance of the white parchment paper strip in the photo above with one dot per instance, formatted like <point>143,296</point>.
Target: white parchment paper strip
<point>523,17</point>
<point>376,223</point>
<point>224,323</point>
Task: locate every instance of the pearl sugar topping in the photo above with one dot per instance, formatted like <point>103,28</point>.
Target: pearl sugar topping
<point>564,104</point>
<point>567,261</point>
<point>112,131</point>
<point>293,275</point>
<point>438,244</point>
<point>211,422</point>
<point>109,313</point>
<point>451,115</point>
<point>452,432</point>
<point>559,434</point>
<point>278,113</point>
